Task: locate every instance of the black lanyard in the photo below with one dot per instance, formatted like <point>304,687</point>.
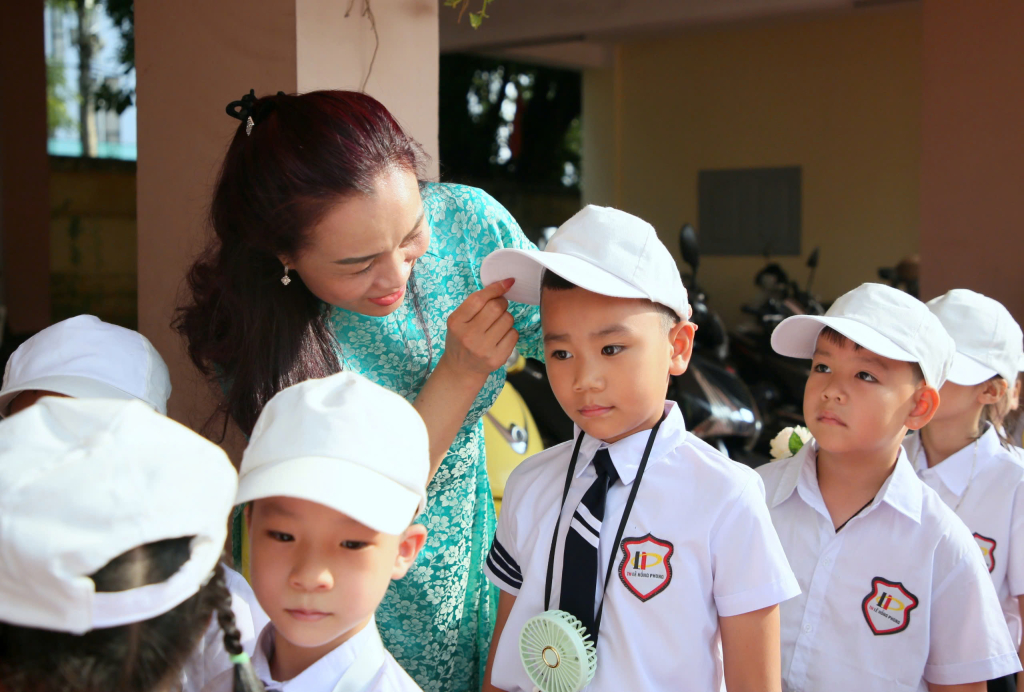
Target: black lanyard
<point>622,524</point>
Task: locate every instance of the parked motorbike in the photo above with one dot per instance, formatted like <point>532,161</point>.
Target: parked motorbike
<point>904,276</point>
<point>777,382</point>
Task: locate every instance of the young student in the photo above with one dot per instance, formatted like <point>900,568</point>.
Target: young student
<point>112,522</point>
<point>334,474</point>
<point>967,460</point>
<point>660,545</point>
<point>84,357</point>
<point>895,593</point>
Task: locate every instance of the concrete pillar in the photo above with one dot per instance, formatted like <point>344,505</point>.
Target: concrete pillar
<point>24,168</point>
<point>972,155</point>
<point>193,57</point>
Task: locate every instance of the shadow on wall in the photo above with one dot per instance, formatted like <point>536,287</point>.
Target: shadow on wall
<point>93,240</point>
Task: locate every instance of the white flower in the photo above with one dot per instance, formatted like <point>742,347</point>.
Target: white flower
<point>789,441</point>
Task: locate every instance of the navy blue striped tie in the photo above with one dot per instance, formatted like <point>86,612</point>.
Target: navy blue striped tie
<point>580,562</point>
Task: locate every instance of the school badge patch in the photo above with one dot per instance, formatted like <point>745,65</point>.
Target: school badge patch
<point>887,608</point>
<point>645,567</point>
<point>988,550</point>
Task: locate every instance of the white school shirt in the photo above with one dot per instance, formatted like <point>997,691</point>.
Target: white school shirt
<point>986,480</point>
<point>710,549</point>
<point>327,674</point>
<point>210,659</point>
<point>898,597</point>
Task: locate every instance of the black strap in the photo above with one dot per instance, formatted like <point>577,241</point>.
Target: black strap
<point>622,523</point>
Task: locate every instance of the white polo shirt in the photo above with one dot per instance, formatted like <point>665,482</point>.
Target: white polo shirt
<point>898,597</point>
<point>984,482</point>
<point>703,519</point>
<point>341,670</point>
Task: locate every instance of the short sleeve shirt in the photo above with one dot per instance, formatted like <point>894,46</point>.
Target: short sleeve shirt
<point>701,521</point>
<point>898,598</point>
<point>984,482</point>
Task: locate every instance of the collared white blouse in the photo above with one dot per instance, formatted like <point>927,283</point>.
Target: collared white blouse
<point>985,483</point>
<point>711,549</point>
<point>898,597</point>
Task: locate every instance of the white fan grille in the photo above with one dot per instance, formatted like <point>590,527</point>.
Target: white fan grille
<point>557,652</point>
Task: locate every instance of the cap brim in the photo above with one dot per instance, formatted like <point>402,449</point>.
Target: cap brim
<point>68,385</point>
<point>352,489</point>
<point>527,268</point>
<point>797,337</point>
<point>968,372</point>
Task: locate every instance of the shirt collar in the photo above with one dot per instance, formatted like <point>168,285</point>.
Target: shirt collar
<point>901,489</point>
<point>957,470</point>
<point>322,675</point>
<point>627,452</point>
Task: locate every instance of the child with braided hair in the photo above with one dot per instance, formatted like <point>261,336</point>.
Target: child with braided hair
<point>108,578</point>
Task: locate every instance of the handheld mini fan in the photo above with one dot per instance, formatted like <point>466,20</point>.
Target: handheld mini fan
<point>557,652</point>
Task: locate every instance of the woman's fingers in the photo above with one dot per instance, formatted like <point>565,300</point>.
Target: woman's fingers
<point>479,300</point>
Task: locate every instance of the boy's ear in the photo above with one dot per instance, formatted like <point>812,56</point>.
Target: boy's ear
<point>681,338</point>
<point>926,403</point>
<point>409,546</point>
<point>993,391</point>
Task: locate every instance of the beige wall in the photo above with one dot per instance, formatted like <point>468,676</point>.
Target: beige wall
<point>972,182</point>
<point>193,57</point>
<point>838,95</point>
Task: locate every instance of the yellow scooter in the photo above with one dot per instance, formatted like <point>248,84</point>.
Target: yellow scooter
<point>510,434</point>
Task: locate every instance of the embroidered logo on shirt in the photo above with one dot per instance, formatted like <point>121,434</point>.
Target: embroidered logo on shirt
<point>988,549</point>
<point>645,569</point>
<point>887,608</point>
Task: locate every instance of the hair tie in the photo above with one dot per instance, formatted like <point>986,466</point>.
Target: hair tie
<point>240,659</point>
<point>245,109</point>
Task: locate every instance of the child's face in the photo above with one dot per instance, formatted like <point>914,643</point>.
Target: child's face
<point>319,574</point>
<point>859,402</point>
<point>609,359</point>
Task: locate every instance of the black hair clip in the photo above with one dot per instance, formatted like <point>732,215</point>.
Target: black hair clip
<point>244,109</point>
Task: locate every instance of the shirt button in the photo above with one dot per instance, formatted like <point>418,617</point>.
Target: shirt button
<point>827,561</point>
<point>807,629</point>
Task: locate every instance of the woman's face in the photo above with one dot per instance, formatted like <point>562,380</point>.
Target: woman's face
<point>359,256</point>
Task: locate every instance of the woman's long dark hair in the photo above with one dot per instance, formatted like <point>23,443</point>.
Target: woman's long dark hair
<point>246,331</point>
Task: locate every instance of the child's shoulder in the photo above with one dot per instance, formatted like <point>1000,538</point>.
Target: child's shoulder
<point>783,471</point>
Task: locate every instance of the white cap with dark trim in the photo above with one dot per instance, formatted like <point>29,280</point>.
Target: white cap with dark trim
<point>881,319</point>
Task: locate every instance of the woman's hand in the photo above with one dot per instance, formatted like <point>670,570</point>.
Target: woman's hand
<point>480,333</point>
<point>480,339</point>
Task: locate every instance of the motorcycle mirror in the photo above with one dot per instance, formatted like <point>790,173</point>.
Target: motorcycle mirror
<point>812,261</point>
<point>688,246</point>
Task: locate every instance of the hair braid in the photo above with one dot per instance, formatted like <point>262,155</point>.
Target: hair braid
<point>245,677</point>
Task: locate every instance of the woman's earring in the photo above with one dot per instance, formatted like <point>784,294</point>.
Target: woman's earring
<point>286,279</point>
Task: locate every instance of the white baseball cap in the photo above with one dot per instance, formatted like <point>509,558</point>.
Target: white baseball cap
<point>989,341</point>
<point>881,319</point>
<point>345,443</point>
<point>86,358</point>
<point>83,481</point>
<point>600,249</point>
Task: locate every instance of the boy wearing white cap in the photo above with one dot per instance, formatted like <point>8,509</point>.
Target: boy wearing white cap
<point>895,593</point>
<point>112,522</point>
<point>658,544</point>
<point>963,459</point>
<point>84,357</point>
<point>334,474</point>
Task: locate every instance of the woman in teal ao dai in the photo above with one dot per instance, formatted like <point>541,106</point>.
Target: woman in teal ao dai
<point>330,254</point>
